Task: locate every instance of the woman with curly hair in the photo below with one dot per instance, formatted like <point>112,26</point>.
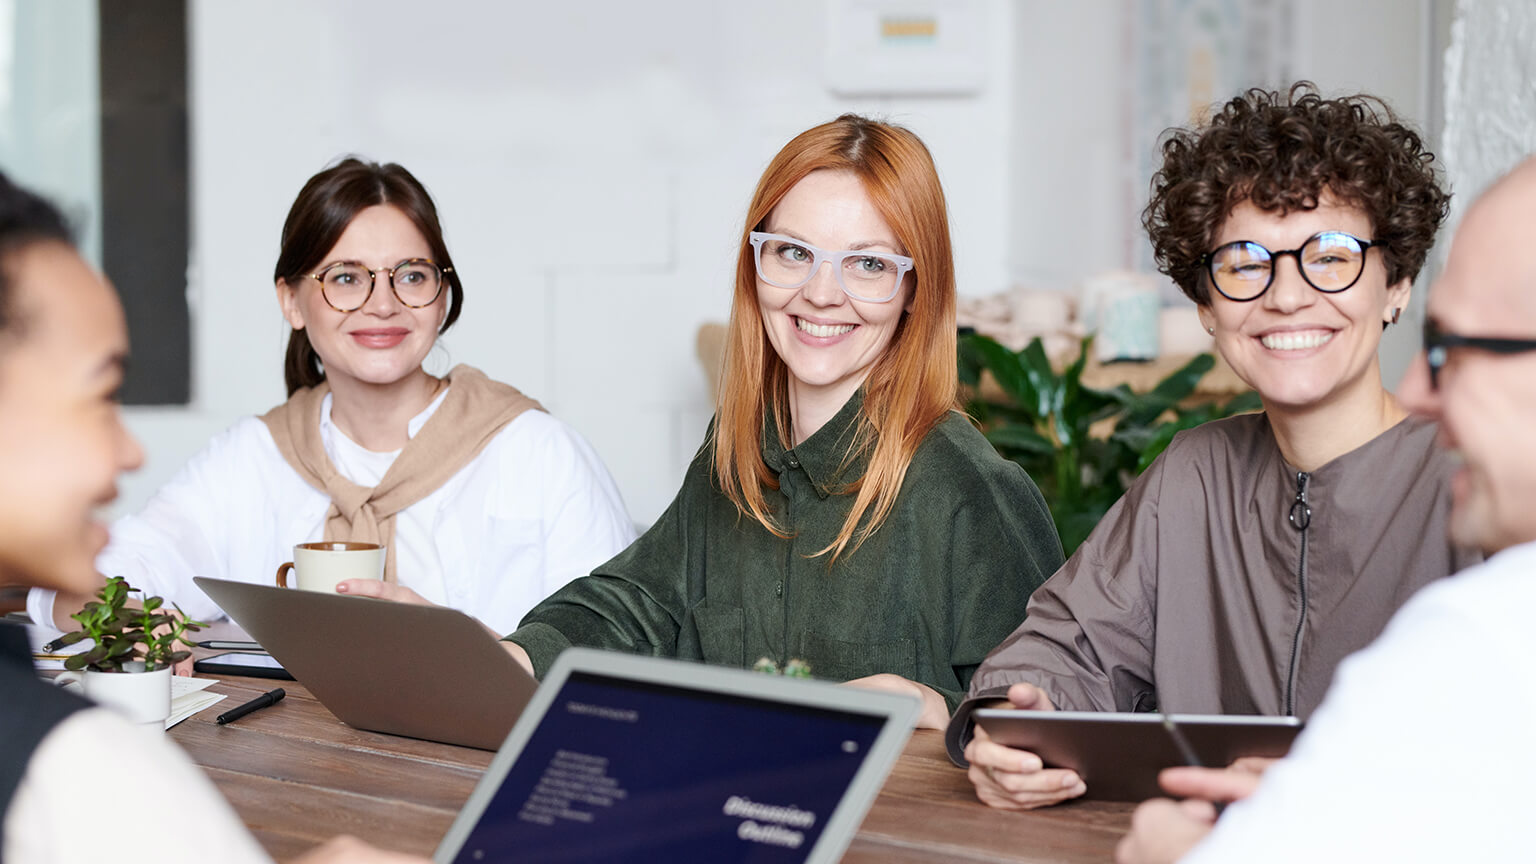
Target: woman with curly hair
<point>1258,551</point>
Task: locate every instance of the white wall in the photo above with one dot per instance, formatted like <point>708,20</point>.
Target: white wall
<point>591,162</point>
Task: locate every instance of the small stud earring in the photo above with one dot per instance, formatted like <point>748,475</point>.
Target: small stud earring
<point>1396,311</point>
<point>1211,330</point>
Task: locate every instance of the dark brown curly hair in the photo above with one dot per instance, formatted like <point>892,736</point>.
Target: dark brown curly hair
<point>1281,151</point>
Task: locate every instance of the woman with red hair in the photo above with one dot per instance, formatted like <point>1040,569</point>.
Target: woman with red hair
<point>841,512</point>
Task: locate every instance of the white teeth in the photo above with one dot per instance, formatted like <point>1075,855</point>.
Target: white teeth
<point>1295,341</point>
<point>822,329</point>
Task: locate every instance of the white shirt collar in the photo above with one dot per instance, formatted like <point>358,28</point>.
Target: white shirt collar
<point>328,428</point>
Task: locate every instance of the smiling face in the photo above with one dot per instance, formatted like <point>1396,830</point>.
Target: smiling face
<point>1300,348</point>
<point>829,341</point>
<point>1486,402</point>
<point>62,440</point>
<point>383,341</point>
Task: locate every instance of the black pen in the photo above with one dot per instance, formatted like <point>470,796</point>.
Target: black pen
<point>1191,758</point>
<point>230,646</point>
<point>271,697</point>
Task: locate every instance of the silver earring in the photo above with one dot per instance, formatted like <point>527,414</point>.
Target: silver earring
<point>1211,330</point>
<point>1396,311</point>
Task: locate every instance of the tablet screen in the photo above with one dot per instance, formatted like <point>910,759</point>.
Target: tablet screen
<point>622,770</point>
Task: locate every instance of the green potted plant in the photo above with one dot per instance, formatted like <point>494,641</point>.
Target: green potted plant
<point>128,666</point>
<point>1045,424</point>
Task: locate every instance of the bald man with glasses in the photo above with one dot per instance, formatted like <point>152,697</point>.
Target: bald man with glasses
<point>1423,749</point>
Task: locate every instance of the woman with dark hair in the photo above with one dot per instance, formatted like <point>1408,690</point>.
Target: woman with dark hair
<point>841,512</point>
<point>482,501</point>
<point>63,342</point>
<point>1258,551</point>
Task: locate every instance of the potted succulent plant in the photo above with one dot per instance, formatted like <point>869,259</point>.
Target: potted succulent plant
<point>129,665</point>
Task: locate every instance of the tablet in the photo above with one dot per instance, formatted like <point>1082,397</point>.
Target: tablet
<point>248,664</point>
<point>1118,755</point>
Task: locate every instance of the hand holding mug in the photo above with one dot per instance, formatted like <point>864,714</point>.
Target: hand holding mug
<point>323,565</point>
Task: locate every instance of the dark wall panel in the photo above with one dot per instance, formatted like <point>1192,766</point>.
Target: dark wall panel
<point>144,190</point>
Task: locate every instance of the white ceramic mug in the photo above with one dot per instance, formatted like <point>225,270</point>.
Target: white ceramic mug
<point>142,697</point>
<point>320,566</point>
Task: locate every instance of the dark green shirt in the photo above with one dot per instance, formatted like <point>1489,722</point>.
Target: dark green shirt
<point>942,581</point>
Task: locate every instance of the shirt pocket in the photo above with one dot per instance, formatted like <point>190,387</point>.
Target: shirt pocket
<point>843,660</point>
<point>513,545</point>
<point>722,635</point>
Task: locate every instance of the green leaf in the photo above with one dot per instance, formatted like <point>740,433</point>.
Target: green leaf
<point>1043,380</point>
<point>1023,438</point>
<point>969,361</point>
<point>1006,367</point>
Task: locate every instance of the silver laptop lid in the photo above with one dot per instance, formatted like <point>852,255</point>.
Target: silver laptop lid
<point>419,671</point>
<point>620,758</point>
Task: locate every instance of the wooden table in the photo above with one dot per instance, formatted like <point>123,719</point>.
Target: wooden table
<point>297,776</point>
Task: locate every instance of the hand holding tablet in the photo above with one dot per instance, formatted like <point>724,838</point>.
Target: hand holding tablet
<point>1011,779</point>
<point>1119,756</point>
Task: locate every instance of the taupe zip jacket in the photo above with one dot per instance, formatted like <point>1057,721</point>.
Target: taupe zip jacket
<point>1227,582</point>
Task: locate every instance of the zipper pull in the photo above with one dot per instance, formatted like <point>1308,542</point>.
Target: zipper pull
<point>1301,513</point>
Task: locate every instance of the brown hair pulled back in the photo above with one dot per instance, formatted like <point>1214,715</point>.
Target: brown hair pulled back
<point>1281,152</point>
<point>320,214</point>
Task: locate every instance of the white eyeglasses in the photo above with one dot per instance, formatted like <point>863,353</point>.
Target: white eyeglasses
<point>784,262</point>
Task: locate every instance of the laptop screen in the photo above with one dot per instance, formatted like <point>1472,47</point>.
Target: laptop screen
<point>624,770</point>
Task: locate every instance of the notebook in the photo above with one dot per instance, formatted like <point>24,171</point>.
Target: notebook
<point>419,671</point>
<point>620,758</point>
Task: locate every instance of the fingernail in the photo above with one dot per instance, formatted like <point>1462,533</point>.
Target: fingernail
<point>1069,781</point>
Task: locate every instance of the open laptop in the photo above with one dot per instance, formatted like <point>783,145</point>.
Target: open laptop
<point>419,671</point>
<point>620,758</point>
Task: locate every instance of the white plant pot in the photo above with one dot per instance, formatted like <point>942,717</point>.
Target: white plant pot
<point>143,698</point>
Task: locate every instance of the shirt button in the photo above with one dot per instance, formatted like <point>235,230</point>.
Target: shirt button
<point>778,589</point>
<point>793,462</point>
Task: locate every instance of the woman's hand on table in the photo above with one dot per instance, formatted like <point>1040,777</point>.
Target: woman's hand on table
<point>1164,830</point>
<point>935,712</point>
<point>350,850</point>
<point>1011,779</point>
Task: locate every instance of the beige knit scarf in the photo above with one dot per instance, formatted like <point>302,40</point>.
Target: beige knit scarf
<point>475,409</point>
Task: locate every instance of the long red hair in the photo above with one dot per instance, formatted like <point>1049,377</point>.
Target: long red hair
<point>913,384</point>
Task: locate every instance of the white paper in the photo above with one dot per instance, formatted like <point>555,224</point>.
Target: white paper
<point>188,698</point>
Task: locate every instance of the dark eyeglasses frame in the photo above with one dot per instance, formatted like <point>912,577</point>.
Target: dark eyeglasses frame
<point>373,281</point>
<point>1437,345</point>
<point>1208,261</point>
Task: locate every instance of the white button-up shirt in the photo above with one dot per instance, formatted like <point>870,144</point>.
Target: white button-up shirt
<point>534,510</point>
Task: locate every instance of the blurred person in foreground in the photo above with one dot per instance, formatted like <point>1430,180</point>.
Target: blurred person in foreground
<point>1259,551</point>
<point>63,347</point>
<point>1422,750</point>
